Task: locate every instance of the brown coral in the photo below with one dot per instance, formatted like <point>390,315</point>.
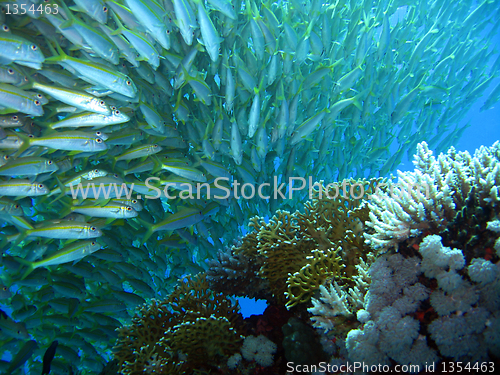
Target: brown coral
<point>296,252</point>
<point>203,339</point>
<point>193,328</point>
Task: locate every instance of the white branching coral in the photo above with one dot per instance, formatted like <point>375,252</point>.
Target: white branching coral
<point>486,173</point>
<point>332,302</point>
<point>418,201</point>
<point>340,300</point>
<point>430,196</point>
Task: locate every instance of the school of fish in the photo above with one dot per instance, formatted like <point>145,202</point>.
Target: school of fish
<point>163,98</point>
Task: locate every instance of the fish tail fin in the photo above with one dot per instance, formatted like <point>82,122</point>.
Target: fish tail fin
<point>20,237</point>
<point>357,104</point>
<point>30,265</point>
<point>66,209</point>
<point>58,53</point>
<point>149,232</point>
<point>118,24</point>
<point>63,190</point>
<point>26,143</point>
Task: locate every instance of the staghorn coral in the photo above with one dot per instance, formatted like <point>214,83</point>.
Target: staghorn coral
<point>194,328</point>
<point>341,302</point>
<point>295,253</point>
<point>434,292</point>
<point>430,198</point>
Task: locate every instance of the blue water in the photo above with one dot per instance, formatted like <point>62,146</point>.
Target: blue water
<point>484,130</point>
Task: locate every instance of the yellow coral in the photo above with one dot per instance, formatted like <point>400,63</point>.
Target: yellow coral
<point>298,251</point>
<point>322,264</point>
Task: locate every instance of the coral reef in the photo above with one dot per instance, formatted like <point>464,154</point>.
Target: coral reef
<point>393,278</point>
<point>194,328</point>
<point>295,253</point>
<point>429,198</point>
<point>433,292</point>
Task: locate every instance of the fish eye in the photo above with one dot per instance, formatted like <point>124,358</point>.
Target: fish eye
<point>129,208</point>
<point>92,243</point>
<point>40,186</point>
<point>33,47</point>
<point>98,140</point>
<point>128,82</point>
<point>10,71</point>
<point>117,112</point>
<point>105,9</point>
<point>15,118</point>
<point>5,28</point>
<point>16,206</point>
<point>39,96</point>
<point>98,133</point>
<point>134,201</point>
<point>31,136</point>
<point>92,229</point>
<point>155,146</point>
<point>50,162</point>
<point>37,102</point>
<point>101,102</point>
<point>168,32</point>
